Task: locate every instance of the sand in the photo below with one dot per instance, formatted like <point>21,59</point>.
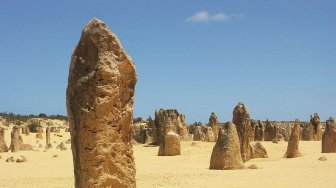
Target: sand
<point>187,170</point>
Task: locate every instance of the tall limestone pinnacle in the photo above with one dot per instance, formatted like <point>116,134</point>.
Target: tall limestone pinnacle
<point>100,98</point>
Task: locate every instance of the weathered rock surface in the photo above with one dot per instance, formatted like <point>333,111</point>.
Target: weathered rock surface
<point>259,151</point>
<point>16,139</point>
<point>171,146</point>
<point>100,98</point>
<point>10,159</point>
<point>166,120</point>
<point>209,134</point>
<point>3,145</point>
<point>199,134</point>
<point>259,132</point>
<point>226,152</point>
<point>293,143</point>
<point>62,146</point>
<point>21,159</point>
<point>39,134</point>
<point>241,118</point>
<point>307,132</point>
<point>271,131</point>
<point>329,137</point>
<point>48,143</point>
<point>214,124</point>
<point>316,122</point>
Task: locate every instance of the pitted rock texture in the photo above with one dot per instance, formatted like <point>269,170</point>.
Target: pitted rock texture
<point>171,146</point>
<point>166,120</point>
<point>16,139</point>
<point>293,143</point>
<point>214,124</point>
<point>241,118</point>
<point>226,152</point>
<point>3,145</point>
<point>329,137</point>
<point>259,151</point>
<point>259,131</point>
<point>100,98</point>
<point>307,132</point>
<point>271,131</point>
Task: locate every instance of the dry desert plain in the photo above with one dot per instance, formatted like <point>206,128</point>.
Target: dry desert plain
<point>190,169</point>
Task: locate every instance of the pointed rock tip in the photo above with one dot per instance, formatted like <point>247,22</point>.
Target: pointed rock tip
<point>95,23</point>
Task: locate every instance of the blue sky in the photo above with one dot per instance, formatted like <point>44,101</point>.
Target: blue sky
<point>278,57</point>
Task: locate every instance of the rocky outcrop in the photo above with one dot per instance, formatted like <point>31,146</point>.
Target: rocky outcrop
<point>39,134</point>
<point>259,151</point>
<point>259,131</point>
<point>3,145</point>
<point>307,132</point>
<point>254,125</point>
<point>171,145</point>
<point>241,118</point>
<point>139,133</point>
<point>48,143</point>
<point>199,134</point>
<point>271,131</point>
<point>209,134</point>
<point>329,137</point>
<point>16,139</point>
<point>61,146</point>
<point>226,152</point>
<point>293,143</point>
<point>214,124</point>
<point>100,98</point>
<point>316,122</point>
<point>25,130</point>
<point>166,120</point>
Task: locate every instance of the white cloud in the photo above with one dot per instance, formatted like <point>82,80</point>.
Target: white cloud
<point>204,16</point>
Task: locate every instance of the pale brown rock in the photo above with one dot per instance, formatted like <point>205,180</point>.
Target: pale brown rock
<point>171,146</point>
<point>307,132</point>
<point>316,122</point>
<point>252,166</point>
<point>166,120</point>
<point>293,143</point>
<point>226,152</point>
<point>10,159</point>
<point>271,131</point>
<point>21,159</point>
<point>199,134</point>
<point>214,124</point>
<point>39,134</point>
<point>241,118</point>
<point>259,131</point>
<point>323,158</point>
<point>26,147</point>
<point>25,130</point>
<point>329,137</point>
<point>48,144</point>
<point>209,134</point>
<point>62,146</point>
<point>16,139</point>
<point>100,97</point>
<point>3,145</point>
<point>259,151</point>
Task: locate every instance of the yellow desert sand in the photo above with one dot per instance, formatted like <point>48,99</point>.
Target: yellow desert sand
<point>190,169</point>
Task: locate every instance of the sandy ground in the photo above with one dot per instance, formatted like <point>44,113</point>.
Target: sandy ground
<point>187,170</point>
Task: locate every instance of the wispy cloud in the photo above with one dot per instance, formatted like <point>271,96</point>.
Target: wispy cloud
<point>204,16</point>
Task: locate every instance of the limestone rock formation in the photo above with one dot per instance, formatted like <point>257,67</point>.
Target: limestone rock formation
<point>100,98</point>
<point>254,125</point>
<point>259,131</point>
<point>307,132</point>
<point>199,134</point>
<point>48,143</point>
<point>139,132</point>
<point>39,134</point>
<point>316,122</point>
<point>209,134</point>
<point>25,130</point>
<point>259,151</point>
<point>62,146</point>
<point>271,131</point>
<point>16,139</point>
<point>166,120</point>
<point>21,159</point>
<point>241,118</point>
<point>10,159</point>
<point>3,145</point>
<point>329,137</point>
<point>171,145</point>
<point>226,152</point>
<point>293,143</point>
<point>214,124</point>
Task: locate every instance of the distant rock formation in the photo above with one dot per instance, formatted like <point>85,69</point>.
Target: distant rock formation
<point>271,131</point>
<point>316,122</point>
<point>329,137</point>
<point>199,134</point>
<point>100,98</point>
<point>39,134</point>
<point>171,145</point>
<point>3,145</point>
<point>293,143</point>
<point>226,152</point>
<point>209,134</point>
<point>241,118</point>
<point>166,120</point>
<point>259,131</point>
<point>48,143</point>
<point>259,151</point>
<point>254,125</point>
<point>214,124</point>
<point>307,132</point>
<point>16,139</point>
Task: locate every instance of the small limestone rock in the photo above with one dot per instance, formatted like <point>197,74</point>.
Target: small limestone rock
<point>16,139</point>
<point>171,145</point>
<point>62,146</point>
<point>39,134</point>
<point>21,159</point>
<point>3,145</point>
<point>323,158</point>
<point>55,155</point>
<point>259,151</point>
<point>10,159</point>
<point>329,137</point>
<point>252,166</point>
